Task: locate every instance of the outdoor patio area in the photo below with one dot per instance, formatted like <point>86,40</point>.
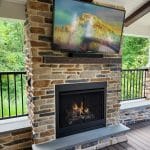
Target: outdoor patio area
<point>138,138</point>
<point>74,74</point>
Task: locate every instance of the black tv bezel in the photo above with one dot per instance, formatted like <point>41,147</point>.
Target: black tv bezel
<point>75,51</point>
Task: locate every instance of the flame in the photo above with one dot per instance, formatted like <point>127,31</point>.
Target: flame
<point>86,110</point>
<point>80,108</point>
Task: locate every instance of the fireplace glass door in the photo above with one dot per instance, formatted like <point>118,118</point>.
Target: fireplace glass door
<point>80,109</point>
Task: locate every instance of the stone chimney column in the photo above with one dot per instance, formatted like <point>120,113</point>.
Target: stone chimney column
<point>37,42</point>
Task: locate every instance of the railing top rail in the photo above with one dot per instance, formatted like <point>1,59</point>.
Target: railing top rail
<point>15,72</point>
<point>142,69</point>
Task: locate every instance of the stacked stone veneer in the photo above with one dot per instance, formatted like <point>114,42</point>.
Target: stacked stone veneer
<point>20,139</point>
<point>133,114</point>
<point>42,77</point>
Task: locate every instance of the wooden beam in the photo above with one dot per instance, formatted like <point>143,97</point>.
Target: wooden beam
<point>139,13</point>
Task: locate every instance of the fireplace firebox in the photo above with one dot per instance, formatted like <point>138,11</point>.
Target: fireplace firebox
<point>80,107</point>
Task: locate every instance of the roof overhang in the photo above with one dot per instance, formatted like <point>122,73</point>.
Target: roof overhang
<point>15,9</point>
<point>141,27</point>
<point>138,14</point>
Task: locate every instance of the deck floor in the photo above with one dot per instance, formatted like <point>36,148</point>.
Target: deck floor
<point>138,138</point>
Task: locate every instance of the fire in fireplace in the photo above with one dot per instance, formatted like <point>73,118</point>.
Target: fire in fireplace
<point>79,113</point>
<point>80,107</point>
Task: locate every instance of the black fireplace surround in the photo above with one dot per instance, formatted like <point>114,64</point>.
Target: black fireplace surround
<point>80,107</point>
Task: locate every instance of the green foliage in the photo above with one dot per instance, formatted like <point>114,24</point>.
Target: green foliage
<point>134,56</point>
<point>135,52</point>
<point>11,46</point>
<point>9,99</point>
<point>12,59</point>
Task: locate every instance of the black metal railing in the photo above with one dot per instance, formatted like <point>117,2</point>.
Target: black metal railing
<point>12,94</point>
<point>13,99</point>
<point>133,84</point>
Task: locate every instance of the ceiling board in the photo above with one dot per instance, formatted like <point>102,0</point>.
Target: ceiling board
<point>143,24</point>
<point>17,1</point>
<point>129,5</point>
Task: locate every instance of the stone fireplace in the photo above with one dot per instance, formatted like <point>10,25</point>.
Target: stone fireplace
<point>67,95</point>
<point>80,107</point>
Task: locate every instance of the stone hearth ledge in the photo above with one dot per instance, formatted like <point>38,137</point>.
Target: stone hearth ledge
<point>82,138</point>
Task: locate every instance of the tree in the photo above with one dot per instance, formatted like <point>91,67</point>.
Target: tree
<point>11,46</point>
<point>12,58</point>
<point>135,52</point>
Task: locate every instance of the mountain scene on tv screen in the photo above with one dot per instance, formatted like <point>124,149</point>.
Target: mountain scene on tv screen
<point>87,27</point>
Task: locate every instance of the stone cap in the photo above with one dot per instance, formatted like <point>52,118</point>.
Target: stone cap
<point>9,125</point>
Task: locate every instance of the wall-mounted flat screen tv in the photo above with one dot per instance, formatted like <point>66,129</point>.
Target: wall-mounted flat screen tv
<point>86,27</point>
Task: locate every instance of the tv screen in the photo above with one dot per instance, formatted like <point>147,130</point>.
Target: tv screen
<point>86,27</point>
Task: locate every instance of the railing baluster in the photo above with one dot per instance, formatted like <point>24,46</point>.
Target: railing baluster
<point>144,83</point>
<point>8,88</point>
<point>124,84</point>
<point>136,84</point>
<point>1,87</point>
<point>127,84</point>
<point>130,76</point>
<point>139,83</point>
<point>22,94</point>
<point>15,94</point>
<point>133,82</point>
